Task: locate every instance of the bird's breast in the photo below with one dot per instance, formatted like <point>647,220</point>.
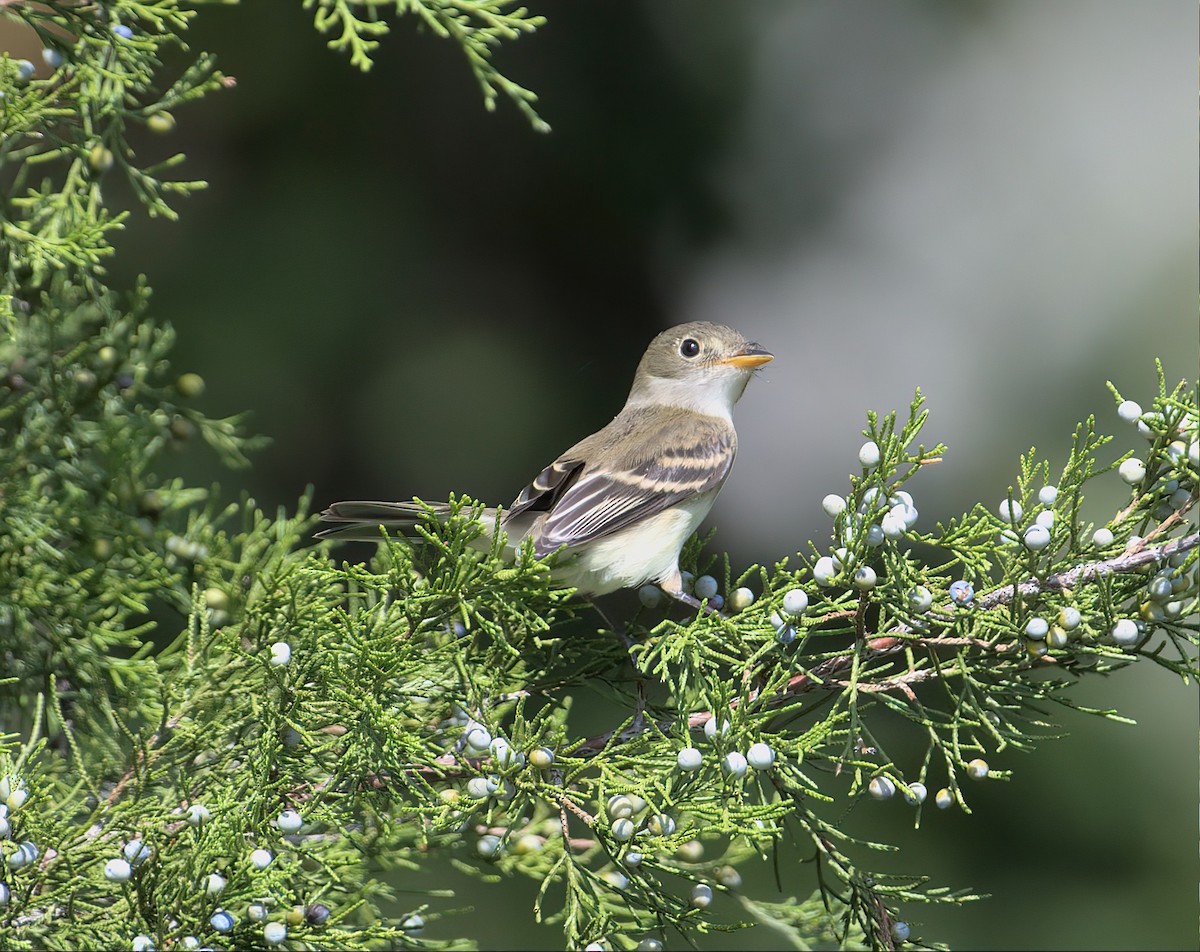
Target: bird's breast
<point>646,551</point>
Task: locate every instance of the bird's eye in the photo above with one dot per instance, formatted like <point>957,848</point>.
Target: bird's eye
<point>689,347</point>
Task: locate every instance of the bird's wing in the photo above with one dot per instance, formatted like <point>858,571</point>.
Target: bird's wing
<point>683,456</point>
<point>549,485</point>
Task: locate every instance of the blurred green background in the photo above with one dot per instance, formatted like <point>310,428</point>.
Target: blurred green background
<point>995,202</point>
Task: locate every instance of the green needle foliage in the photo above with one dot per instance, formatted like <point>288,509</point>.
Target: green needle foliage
<point>214,734</point>
<point>477,26</point>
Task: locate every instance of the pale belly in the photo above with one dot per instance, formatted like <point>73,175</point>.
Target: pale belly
<point>647,551</point>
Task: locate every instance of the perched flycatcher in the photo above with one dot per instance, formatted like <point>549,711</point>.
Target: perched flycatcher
<point>622,502</point>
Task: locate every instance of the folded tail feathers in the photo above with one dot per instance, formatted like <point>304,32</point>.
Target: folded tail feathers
<point>359,520</point>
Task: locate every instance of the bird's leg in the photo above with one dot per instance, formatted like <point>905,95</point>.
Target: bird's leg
<point>673,586</point>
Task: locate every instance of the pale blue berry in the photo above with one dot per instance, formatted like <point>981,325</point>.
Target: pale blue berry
<point>124,32</point>
<point>712,725</point>
<point>26,854</point>
<point>261,859</point>
<point>760,756</point>
<point>661,824</point>
<point>740,599</point>
<point>1058,638</point>
<point>702,896</point>
<point>25,70</point>
<point>893,524</point>
<point>977,769</point>
<point>868,454</point>
<point>142,943</point>
<point>257,912</point>
<point>865,578</point>
<point>504,753</point>
<point>728,877</point>
<point>733,764</point>
<point>281,653</point>
<point>488,845</point>
<point>875,536</point>
<point>1047,495</point>
<point>824,571</point>
<point>705,586</point>
<point>962,592</point>
<point>1036,537</point>
<point>900,931</point>
<point>1129,411</point>
<point>650,944</point>
<point>833,505</point>
<point>52,57</point>
<point>222,921</point>
<point>274,932</point>
<point>689,759</point>
<point>541,757</point>
<point>871,499</point>
<point>651,595</point>
<point>1102,538</point>
<point>920,599</point>
<point>1037,628</point>
<point>479,788</point>
<point>136,852</point>
<point>916,793</point>
<point>290,821</point>
<point>943,798</point>
<point>619,806</point>
<point>13,793</point>
<point>795,601</point>
<point>1010,510</point>
<point>476,738</point>
<point>117,871</point>
<point>414,924</point>
<point>881,788</point>
<point>623,830</point>
<point>1133,471</point>
<point>198,813</point>
<point>1160,588</point>
<point>1045,518</point>
<point>214,883</point>
<point>1124,632</point>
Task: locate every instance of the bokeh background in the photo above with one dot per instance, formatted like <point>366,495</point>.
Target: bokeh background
<point>993,201</point>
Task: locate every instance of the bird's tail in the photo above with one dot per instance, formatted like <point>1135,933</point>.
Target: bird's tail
<point>360,520</point>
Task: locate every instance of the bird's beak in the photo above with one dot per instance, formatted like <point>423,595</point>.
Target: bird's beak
<point>752,356</point>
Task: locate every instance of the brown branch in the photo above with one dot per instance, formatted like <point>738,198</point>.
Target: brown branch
<point>1131,561</point>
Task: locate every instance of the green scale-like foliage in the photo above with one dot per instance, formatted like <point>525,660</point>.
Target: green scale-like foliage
<point>177,671</point>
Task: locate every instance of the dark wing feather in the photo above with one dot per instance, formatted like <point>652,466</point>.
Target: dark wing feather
<point>668,460</point>
<point>548,486</point>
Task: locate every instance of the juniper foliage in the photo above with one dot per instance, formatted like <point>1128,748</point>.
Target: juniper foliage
<point>177,671</point>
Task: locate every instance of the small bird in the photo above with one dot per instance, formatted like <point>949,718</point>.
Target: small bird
<point>622,502</point>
